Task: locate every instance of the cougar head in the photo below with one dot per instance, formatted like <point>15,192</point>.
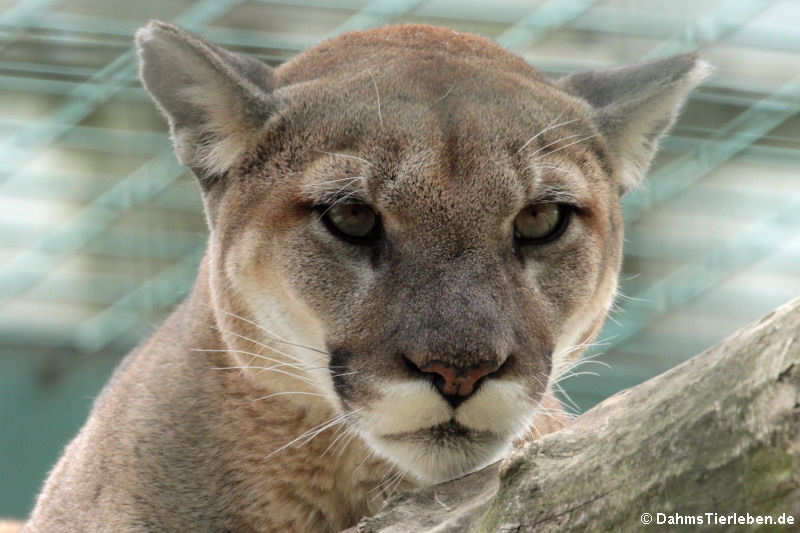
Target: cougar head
<point>421,227</point>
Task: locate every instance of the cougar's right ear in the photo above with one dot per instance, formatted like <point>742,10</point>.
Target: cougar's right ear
<point>635,105</point>
<point>213,99</point>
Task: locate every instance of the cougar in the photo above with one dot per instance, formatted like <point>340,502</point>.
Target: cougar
<point>413,233</point>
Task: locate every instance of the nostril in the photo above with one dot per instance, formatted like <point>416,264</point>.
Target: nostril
<point>410,365</point>
<point>455,381</point>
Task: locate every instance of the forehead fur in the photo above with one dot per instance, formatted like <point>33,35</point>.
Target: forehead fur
<point>452,100</point>
<point>356,51</point>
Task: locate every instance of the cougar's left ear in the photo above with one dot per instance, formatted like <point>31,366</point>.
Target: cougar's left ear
<point>635,105</point>
<point>213,99</point>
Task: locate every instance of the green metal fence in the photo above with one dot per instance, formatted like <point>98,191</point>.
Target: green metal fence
<point>101,229</point>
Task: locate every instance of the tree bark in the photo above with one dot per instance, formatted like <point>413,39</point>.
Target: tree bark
<point>716,435</point>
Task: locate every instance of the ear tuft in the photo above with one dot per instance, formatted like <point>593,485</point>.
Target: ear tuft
<point>636,105</point>
<point>213,99</point>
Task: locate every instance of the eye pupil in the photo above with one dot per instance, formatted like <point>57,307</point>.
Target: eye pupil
<point>538,224</point>
<point>353,222</point>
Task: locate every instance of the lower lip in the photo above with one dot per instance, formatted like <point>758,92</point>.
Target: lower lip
<point>447,430</point>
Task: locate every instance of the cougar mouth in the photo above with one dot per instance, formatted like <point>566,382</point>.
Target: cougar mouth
<point>441,452</point>
<point>450,431</point>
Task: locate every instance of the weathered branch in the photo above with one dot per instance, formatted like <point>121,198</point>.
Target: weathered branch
<point>718,434</point>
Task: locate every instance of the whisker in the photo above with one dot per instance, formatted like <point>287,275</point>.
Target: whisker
<point>274,335</point>
<point>378,94</point>
<point>445,95</point>
<point>546,129</point>
<point>368,456</point>
<point>334,422</point>
<point>351,373</point>
<point>551,143</point>
<point>559,414</point>
<point>570,349</point>
<point>275,368</point>
<point>624,296</point>
<point>352,434</point>
<point>549,412</point>
<point>391,489</point>
<point>565,394</point>
<point>383,485</point>
<point>586,138</point>
<point>348,156</point>
<point>341,432</point>
<point>290,374</point>
<point>581,362</point>
<point>323,184</point>
<point>537,166</point>
<point>309,435</point>
<point>539,381</point>
<point>240,367</point>
<point>330,194</point>
<point>338,201</point>
<point>552,413</point>
<point>286,393</point>
<point>267,347</point>
<point>263,357</point>
<point>568,375</point>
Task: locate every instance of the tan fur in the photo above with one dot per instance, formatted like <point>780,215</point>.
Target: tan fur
<point>285,393</point>
<point>7,526</point>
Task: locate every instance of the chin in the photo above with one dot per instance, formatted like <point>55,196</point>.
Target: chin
<point>442,452</point>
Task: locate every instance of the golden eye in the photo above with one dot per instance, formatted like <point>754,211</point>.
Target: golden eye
<point>541,223</point>
<point>353,222</point>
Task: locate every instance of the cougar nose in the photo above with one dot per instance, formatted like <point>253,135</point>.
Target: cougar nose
<point>455,383</point>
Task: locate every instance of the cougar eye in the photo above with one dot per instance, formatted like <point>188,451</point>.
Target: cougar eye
<point>541,223</point>
<point>352,222</point>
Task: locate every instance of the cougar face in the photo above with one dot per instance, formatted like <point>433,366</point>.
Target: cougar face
<point>436,262</point>
<point>419,229</point>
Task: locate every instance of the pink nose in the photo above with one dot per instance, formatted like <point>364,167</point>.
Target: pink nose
<point>457,381</point>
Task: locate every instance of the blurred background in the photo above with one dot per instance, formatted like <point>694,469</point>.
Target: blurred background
<point>101,230</point>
